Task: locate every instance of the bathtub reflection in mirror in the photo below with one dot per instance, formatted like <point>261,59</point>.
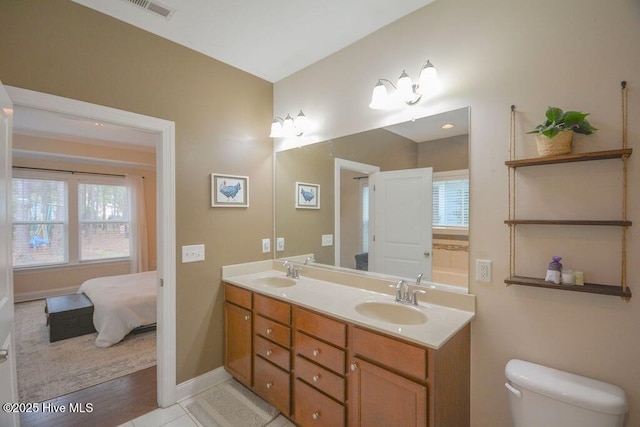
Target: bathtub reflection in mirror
<point>422,143</point>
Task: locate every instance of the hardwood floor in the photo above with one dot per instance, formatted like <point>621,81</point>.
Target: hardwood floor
<point>108,404</point>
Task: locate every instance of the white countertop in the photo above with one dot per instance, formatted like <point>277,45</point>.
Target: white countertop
<point>339,300</point>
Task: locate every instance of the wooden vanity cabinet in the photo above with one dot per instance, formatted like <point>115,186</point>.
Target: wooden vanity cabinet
<point>238,333</point>
<point>272,351</point>
<point>319,371</point>
<point>392,382</point>
<point>320,357</point>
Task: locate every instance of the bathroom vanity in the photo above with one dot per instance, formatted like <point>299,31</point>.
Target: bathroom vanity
<point>336,349</point>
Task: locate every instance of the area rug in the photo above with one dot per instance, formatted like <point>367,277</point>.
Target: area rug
<point>47,370</point>
<point>230,404</point>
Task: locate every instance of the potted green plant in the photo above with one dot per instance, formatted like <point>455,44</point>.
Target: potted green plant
<point>554,136</point>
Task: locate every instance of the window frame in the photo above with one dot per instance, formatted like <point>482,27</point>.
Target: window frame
<point>72,229</point>
<point>451,176</point>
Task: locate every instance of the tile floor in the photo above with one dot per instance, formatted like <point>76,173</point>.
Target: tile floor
<point>178,416</point>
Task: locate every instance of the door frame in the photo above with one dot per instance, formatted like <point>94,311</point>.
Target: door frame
<point>166,221</point>
<point>339,166</point>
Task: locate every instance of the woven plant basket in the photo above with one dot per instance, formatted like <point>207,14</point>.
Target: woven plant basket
<point>559,144</point>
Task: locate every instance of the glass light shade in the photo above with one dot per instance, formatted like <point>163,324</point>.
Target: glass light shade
<point>379,97</point>
<point>405,87</point>
<point>276,129</point>
<point>429,82</point>
<point>301,123</point>
<point>288,127</point>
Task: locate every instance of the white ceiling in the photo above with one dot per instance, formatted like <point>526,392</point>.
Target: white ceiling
<point>267,38</point>
<point>270,39</point>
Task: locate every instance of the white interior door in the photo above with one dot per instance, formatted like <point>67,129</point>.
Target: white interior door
<point>400,227</point>
<point>8,377</point>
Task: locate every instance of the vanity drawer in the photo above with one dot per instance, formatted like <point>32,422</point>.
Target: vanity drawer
<point>273,352</point>
<point>397,355</point>
<point>273,331</point>
<point>273,309</point>
<point>238,296</point>
<point>315,409</point>
<point>321,378</point>
<point>320,352</point>
<point>272,384</point>
<point>322,327</point>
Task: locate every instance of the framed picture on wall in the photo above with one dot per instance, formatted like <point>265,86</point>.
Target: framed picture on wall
<point>307,196</point>
<point>229,191</point>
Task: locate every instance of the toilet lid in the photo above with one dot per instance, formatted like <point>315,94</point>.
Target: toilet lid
<point>567,387</point>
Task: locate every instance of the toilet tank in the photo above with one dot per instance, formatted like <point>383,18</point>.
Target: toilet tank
<point>543,396</point>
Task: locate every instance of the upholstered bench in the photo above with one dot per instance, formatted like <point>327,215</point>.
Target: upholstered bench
<point>69,316</point>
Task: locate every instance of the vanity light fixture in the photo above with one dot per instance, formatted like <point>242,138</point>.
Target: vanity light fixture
<point>405,91</point>
<point>289,127</point>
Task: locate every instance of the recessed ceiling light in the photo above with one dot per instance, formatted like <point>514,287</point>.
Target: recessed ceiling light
<point>448,126</point>
<point>99,124</point>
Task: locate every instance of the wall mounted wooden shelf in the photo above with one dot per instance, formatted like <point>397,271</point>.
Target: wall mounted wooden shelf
<point>623,153</point>
<point>591,288</point>
<point>570,158</point>
<point>568,222</point>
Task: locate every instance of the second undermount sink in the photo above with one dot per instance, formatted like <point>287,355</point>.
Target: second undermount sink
<point>275,281</point>
<point>392,313</point>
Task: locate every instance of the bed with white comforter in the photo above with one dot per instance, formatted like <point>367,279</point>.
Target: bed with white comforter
<point>121,304</point>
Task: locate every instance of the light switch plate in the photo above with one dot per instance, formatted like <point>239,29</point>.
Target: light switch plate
<point>280,244</point>
<point>192,253</point>
<point>266,246</point>
<point>327,239</point>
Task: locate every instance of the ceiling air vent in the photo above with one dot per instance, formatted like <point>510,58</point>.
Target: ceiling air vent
<point>153,7</point>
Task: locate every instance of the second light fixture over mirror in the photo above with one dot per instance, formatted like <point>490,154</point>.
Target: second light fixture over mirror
<point>405,92</point>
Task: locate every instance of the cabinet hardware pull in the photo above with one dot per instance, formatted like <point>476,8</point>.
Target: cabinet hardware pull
<point>269,384</point>
<point>316,378</point>
<point>269,330</point>
<point>269,352</point>
<point>4,355</point>
<point>316,353</point>
<point>246,317</point>
<point>353,366</point>
<point>315,415</point>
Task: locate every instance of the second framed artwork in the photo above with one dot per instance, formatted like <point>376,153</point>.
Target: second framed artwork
<point>229,191</point>
<point>307,195</point>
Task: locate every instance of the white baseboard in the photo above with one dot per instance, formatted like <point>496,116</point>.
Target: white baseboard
<point>199,384</point>
<point>31,296</point>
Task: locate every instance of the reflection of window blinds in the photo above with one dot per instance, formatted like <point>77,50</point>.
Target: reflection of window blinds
<point>365,217</point>
<point>451,203</point>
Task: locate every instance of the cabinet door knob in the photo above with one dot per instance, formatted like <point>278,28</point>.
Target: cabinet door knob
<point>269,384</point>
<point>269,352</point>
<point>246,317</point>
<point>316,352</point>
<point>315,415</point>
<point>316,378</point>
<point>269,330</point>
<point>353,366</point>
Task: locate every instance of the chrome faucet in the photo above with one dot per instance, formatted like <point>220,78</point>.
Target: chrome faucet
<point>419,279</point>
<point>309,259</point>
<point>292,270</point>
<point>404,294</point>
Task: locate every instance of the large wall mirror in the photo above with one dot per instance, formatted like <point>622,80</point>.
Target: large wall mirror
<point>324,203</point>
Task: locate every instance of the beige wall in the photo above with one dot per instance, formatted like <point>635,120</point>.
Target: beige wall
<point>33,152</point>
<point>445,154</point>
<point>222,118</point>
<point>490,55</point>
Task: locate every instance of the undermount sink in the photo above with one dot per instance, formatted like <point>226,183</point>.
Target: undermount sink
<point>275,281</point>
<point>392,313</point>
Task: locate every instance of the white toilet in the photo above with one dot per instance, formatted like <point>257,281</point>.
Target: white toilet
<point>541,396</point>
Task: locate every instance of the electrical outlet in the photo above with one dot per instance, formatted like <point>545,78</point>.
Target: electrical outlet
<point>192,253</point>
<point>327,239</point>
<point>483,270</point>
<point>266,246</point>
<point>280,244</point>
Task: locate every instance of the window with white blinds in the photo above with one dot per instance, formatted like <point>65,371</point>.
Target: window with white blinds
<point>451,199</point>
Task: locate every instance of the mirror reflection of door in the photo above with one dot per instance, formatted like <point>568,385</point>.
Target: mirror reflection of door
<point>400,238</point>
